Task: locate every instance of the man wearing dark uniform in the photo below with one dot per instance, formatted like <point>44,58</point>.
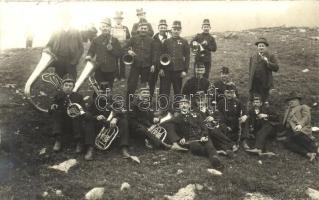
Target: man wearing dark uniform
<point>209,45</point>
<point>141,47</point>
<point>261,123</point>
<point>261,66</point>
<point>178,50</point>
<point>106,49</point>
<point>122,33</point>
<point>221,84</point>
<point>141,16</point>
<point>65,127</point>
<point>159,39</point>
<point>99,116</point>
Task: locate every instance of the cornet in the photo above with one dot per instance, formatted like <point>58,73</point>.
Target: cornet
<point>165,59</point>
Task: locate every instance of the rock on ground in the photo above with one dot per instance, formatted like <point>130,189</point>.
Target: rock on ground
<point>186,193</point>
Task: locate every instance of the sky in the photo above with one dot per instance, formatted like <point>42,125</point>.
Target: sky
<point>16,19</point>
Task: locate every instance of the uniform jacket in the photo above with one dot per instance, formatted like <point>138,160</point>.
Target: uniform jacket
<point>66,45</point>
<point>143,48</point>
<point>190,126</point>
<point>157,49</point>
<point>299,115</point>
<point>194,85</point>
<point>256,61</point>
<point>139,116</point>
<point>179,51</point>
<point>62,101</point>
<point>106,60</point>
<point>134,31</point>
<point>221,86</point>
<point>229,113</point>
<point>211,46</point>
<point>256,123</point>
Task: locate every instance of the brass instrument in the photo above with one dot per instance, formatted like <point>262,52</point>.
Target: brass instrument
<point>128,59</point>
<point>106,135</point>
<point>89,67</point>
<point>165,59</point>
<point>74,109</point>
<point>47,58</point>
<point>211,124</point>
<point>197,48</point>
<point>158,131</point>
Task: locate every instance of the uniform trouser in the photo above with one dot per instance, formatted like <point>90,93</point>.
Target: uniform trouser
<point>262,134</point>
<point>220,140</point>
<point>207,65</point>
<point>63,67</point>
<point>142,130</point>
<point>153,80</point>
<point>104,76</point>
<point>123,130</point>
<point>120,72</point>
<point>133,78</point>
<point>29,43</point>
<point>171,78</point>
<point>258,88</point>
<point>66,128</point>
<point>299,143</point>
<point>204,149</point>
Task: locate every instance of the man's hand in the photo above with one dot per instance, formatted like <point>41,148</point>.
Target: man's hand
<point>161,73</point>
<point>100,117</point>
<point>131,52</point>
<point>54,106</point>
<point>182,141</point>
<point>298,128</point>
<point>204,42</point>
<point>113,123</point>
<point>243,118</point>
<point>152,69</point>
<point>229,129</point>
<point>88,58</point>
<point>262,116</point>
<point>210,119</point>
<point>156,120</point>
<point>183,74</point>
<point>204,139</point>
<point>109,47</point>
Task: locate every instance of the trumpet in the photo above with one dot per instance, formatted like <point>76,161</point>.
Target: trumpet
<point>165,59</point>
<point>106,135</point>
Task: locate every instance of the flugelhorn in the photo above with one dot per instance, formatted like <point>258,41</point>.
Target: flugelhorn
<point>89,67</point>
<point>106,135</point>
<point>197,48</point>
<point>158,131</point>
<point>47,58</point>
<point>165,59</point>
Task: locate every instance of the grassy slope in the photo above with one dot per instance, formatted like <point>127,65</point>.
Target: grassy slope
<point>285,177</point>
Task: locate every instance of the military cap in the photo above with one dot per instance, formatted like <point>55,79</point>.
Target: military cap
<point>68,78</point>
<point>162,22</point>
<point>177,24</point>
<point>224,70</point>
<point>206,22</point>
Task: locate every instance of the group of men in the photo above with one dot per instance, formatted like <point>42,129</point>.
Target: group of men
<point>208,118</point>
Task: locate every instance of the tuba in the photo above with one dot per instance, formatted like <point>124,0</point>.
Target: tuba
<point>106,136</point>
<point>165,59</point>
<point>47,58</point>
<point>89,67</point>
<point>158,131</point>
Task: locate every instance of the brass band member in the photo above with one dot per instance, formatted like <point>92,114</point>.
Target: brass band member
<point>261,66</point>
<point>122,33</point>
<point>136,28</point>
<point>261,124</point>
<point>222,83</point>
<point>106,49</point>
<point>66,44</point>
<point>141,48</point>
<point>99,111</point>
<point>208,43</point>
<point>178,49</point>
<point>65,128</point>
<point>159,39</point>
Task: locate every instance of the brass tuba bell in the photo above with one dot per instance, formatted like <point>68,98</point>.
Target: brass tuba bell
<point>106,135</point>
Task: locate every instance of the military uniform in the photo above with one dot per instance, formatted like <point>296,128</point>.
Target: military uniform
<point>142,45</point>
<point>67,46</point>
<point>194,85</point>
<point>106,60</point>
<point>135,32</point>
<point>178,49</point>
<point>210,46</point>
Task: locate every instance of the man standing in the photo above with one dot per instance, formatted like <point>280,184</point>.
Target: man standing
<point>106,49</point>
<point>141,16</point>
<point>178,50</point>
<point>297,123</point>
<point>159,39</point>
<point>261,66</point>
<point>122,33</point>
<point>209,45</point>
<point>141,47</point>
<point>66,44</point>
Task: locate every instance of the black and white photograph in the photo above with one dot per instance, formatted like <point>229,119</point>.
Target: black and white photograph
<point>159,100</point>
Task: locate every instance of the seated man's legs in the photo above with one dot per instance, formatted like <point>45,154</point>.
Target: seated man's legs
<point>262,135</point>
